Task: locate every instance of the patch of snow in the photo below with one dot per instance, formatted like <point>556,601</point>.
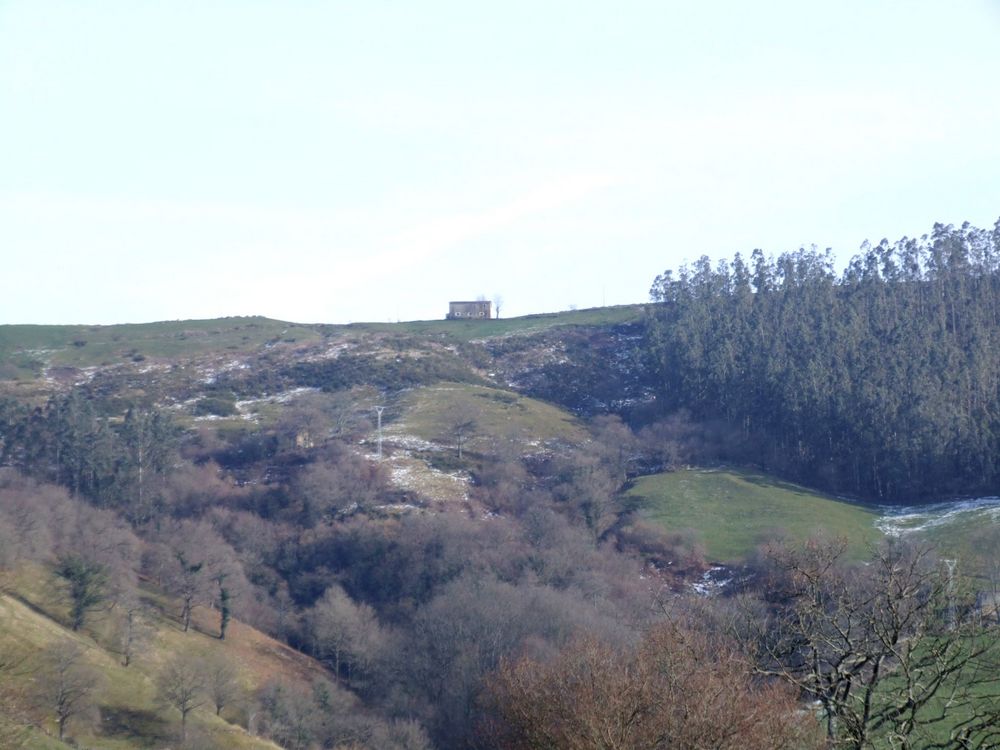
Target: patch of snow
<point>398,507</point>
<point>285,397</point>
<point>898,521</point>
<point>88,373</point>
<point>279,398</point>
<point>400,474</point>
<point>712,581</point>
<point>331,352</point>
<point>410,442</point>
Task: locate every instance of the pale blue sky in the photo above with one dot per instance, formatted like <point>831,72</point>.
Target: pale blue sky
<point>371,160</point>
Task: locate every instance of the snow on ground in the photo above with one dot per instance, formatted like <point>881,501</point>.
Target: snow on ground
<point>712,581</point>
<point>897,521</point>
<point>410,442</point>
<point>278,398</point>
<point>210,372</point>
<point>415,475</point>
<point>331,352</point>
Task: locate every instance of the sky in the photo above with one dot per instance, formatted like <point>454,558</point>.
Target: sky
<point>372,160</point>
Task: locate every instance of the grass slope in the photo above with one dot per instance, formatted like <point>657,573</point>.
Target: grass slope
<point>420,426</point>
<point>131,717</point>
<point>31,346</point>
<point>431,412</point>
<point>734,511</point>
<point>967,529</point>
<point>468,330</point>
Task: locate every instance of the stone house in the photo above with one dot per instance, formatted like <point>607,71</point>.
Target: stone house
<point>477,310</point>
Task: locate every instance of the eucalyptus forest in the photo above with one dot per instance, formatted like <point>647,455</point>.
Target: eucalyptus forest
<point>881,382</point>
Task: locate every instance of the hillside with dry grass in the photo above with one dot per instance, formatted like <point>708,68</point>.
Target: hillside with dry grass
<point>127,710</point>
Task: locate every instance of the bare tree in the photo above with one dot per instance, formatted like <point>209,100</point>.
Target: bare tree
<point>337,481</point>
<point>14,718</point>
<point>344,633</point>
<point>67,684</point>
<point>196,565</point>
<point>181,685</point>
<point>189,583</point>
<point>222,683</point>
<point>25,507</point>
<point>311,419</point>
<point>887,650</point>
<point>459,425</point>
<point>588,485</point>
<point>97,558</point>
<point>679,688</point>
<point>984,549</point>
<point>133,629</point>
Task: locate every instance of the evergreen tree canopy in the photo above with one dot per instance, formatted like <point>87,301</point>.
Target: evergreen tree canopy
<point>882,382</point>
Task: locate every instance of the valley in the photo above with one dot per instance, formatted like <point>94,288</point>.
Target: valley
<point>388,535</point>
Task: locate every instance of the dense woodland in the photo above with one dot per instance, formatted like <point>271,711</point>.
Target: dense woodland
<point>546,612</point>
<point>882,382</point>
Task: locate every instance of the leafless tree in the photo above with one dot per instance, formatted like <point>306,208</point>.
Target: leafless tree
<point>97,559</point>
<point>181,685</point>
<point>398,735</point>
<point>67,684</point>
<point>24,512</point>
<point>588,485</point>
<point>678,688</point>
<point>288,714</point>
<point>14,719</point>
<point>458,424</point>
<point>133,629</point>
<point>615,445</point>
<point>313,418</point>
<point>888,650</point>
<point>984,548</point>
<point>222,683</point>
<point>344,633</point>
<point>190,560</point>
<point>191,489</point>
<point>461,635</point>
<point>337,481</point>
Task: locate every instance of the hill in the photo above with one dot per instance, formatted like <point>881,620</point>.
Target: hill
<point>26,349</point>
<point>523,488</point>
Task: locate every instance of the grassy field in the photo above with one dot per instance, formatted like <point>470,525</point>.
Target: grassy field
<point>734,511</point>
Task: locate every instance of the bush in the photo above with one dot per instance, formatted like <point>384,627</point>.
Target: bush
<point>215,406</point>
